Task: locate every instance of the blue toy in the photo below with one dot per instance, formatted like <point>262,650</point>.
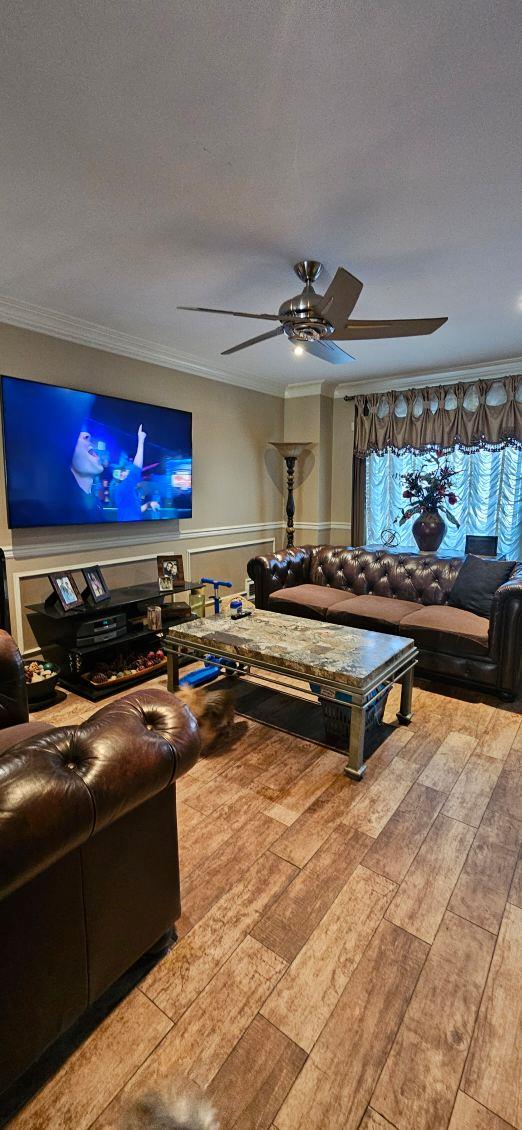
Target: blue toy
<point>217,585</point>
<point>213,663</point>
<point>203,675</point>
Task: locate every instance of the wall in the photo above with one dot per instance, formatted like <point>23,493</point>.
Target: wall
<point>237,502</point>
<point>323,478</point>
<point>342,457</point>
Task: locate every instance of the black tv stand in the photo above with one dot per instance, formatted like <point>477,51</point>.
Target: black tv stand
<point>61,634</point>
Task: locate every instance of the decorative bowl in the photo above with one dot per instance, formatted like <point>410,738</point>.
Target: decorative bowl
<point>41,678</point>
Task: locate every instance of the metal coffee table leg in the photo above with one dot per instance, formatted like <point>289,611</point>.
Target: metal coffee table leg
<point>404,714</point>
<point>172,670</point>
<point>355,768</point>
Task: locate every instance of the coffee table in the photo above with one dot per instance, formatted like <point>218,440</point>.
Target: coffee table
<point>361,663</point>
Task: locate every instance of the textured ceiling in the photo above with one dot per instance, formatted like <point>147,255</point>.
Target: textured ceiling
<point>164,152</point>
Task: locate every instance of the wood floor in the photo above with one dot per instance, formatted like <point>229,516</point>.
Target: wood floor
<point>350,954</point>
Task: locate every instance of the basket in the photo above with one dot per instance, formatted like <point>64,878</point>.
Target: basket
<point>337,712</point>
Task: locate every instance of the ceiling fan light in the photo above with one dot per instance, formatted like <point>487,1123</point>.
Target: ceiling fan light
<point>298,350</point>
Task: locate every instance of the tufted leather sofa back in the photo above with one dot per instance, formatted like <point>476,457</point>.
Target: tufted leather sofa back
<point>60,788</point>
<point>425,579</point>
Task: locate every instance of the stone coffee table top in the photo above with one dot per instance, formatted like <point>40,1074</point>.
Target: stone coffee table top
<point>308,647</point>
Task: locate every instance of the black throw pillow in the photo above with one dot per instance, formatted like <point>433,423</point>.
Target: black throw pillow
<point>477,583</point>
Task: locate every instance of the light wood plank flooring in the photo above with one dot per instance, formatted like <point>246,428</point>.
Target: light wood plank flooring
<point>350,953</point>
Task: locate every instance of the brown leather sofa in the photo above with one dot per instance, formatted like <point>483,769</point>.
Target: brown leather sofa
<point>405,594</point>
<point>89,876</point>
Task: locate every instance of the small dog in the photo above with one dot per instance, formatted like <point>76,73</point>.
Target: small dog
<point>213,711</point>
<point>180,1106</point>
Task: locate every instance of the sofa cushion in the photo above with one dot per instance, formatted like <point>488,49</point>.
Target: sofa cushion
<point>376,613</point>
<point>477,583</point>
<point>440,627</point>
<point>306,600</point>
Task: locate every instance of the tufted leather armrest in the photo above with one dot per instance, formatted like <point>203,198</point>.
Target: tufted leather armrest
<point>57,790</point>
<point>13,691</point>
<point>283,570</point>
<point>505,630</point>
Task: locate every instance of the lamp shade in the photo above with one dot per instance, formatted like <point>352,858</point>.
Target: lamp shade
<point>290,450</point>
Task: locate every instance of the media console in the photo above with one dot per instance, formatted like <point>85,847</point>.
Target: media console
<point>113,636</point>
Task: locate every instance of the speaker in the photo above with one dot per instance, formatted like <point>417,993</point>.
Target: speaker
<point>101,629</point>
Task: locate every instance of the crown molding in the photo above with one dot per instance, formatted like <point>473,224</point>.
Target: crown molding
<point>310,388</point>
<point>68,328</point>
<point>465,373</point>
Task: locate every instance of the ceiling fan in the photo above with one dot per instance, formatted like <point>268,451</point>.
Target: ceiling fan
<point>316,322</point>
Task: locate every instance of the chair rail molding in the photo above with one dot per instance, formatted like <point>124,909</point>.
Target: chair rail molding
<point>90,545</point>
<point>321,525</point>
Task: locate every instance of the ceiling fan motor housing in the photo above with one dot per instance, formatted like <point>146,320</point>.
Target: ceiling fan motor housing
<point>309,330</point>
<point>298,315</point>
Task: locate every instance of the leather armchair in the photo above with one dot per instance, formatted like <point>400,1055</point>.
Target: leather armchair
<point>13,692</point>
<point>89,875</point>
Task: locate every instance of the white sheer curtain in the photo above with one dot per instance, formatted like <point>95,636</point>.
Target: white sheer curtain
<point>489,490</point>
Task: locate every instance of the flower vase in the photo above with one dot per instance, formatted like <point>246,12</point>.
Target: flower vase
<point>428,530</point>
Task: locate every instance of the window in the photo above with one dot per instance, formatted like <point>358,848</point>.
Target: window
<point>488,487</point>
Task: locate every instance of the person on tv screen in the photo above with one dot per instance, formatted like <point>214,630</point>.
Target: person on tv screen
<point>58,456</point>
<point>85,466</point>
<point>125,487</point>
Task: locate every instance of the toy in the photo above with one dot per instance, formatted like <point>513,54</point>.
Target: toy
<point>217,585</point>
<point>198,678</point>
<point>212,669</point>
<point>213,663</point>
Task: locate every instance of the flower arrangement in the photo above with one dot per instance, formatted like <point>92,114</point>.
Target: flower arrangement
<point>428,489</point>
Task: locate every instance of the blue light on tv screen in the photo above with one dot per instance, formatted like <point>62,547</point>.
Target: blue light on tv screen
<point>76,458</point>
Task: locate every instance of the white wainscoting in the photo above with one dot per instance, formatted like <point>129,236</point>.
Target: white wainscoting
<point>19,576</point>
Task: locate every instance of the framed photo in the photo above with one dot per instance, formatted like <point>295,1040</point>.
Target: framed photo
<point>170,572</point>
<point>66,590</point>
<point>96,584</point>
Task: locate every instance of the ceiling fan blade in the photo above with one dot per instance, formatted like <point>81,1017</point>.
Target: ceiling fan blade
<point>232,313</point>
<point>340,298</point>
<point>401,327</point>
<point>253,341</point>
<point>327,351</point>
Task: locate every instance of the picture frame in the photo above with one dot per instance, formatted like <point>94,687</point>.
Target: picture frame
<point>66,590</point>
<point>96,584</point>
<point>170,572</point>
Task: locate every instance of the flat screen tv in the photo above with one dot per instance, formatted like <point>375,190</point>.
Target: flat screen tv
<point>76,458</point>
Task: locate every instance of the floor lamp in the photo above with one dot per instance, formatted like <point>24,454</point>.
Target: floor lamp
<point>290,452</point>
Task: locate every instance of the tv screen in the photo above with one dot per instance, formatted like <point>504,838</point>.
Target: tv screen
<point>75,458</point>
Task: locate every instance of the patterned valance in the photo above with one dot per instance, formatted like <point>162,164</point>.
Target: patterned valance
<point>478,414</point>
